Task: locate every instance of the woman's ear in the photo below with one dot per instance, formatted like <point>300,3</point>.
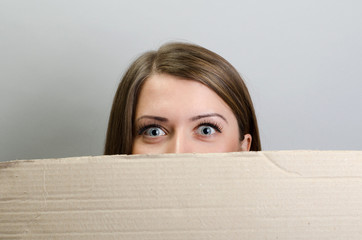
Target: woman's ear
<point>246,143</point>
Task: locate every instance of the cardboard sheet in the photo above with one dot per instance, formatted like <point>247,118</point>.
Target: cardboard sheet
<point>256,195</point>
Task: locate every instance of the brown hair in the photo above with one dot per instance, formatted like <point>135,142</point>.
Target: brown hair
<point>186,61</point>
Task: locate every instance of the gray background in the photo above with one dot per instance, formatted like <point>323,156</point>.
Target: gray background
<point>61,62</point>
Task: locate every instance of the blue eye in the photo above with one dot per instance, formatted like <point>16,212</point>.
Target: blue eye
<point>154,132</point>
<point>205,130</point>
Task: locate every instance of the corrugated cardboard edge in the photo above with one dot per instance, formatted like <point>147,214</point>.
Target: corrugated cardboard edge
<point>312,159</point>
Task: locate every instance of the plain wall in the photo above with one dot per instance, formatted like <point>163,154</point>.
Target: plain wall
<point>61,62</point>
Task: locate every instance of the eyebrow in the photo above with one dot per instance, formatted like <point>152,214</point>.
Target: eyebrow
<point>157,118</point>
<point>162,119</point>
<point>208,115</point>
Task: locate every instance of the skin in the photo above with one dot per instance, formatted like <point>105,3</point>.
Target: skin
<point>176,115</point>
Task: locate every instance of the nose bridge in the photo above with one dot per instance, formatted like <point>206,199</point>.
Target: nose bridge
<point>180,143</point>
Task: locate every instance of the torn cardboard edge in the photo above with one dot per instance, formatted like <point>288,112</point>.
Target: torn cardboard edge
<point>246,195</point>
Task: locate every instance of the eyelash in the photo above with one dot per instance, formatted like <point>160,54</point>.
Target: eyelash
<point>141,129</point>
<point>214,125</point>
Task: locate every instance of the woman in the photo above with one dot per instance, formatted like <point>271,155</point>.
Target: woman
<point>181,98</point>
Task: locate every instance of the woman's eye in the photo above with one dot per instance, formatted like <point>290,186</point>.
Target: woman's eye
<point>206,130</point>
<point>154,132</point>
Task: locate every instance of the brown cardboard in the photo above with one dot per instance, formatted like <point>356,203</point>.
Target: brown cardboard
<point>255,195</point>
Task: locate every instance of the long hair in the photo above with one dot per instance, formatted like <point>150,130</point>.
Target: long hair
<point>186,61</point>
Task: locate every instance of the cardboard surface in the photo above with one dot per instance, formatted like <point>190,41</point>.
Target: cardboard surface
<point>256,195</point>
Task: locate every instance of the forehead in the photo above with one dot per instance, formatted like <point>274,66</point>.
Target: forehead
<point>164,94</point>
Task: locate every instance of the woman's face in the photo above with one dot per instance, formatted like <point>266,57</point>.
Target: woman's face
<point>175,115</point>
